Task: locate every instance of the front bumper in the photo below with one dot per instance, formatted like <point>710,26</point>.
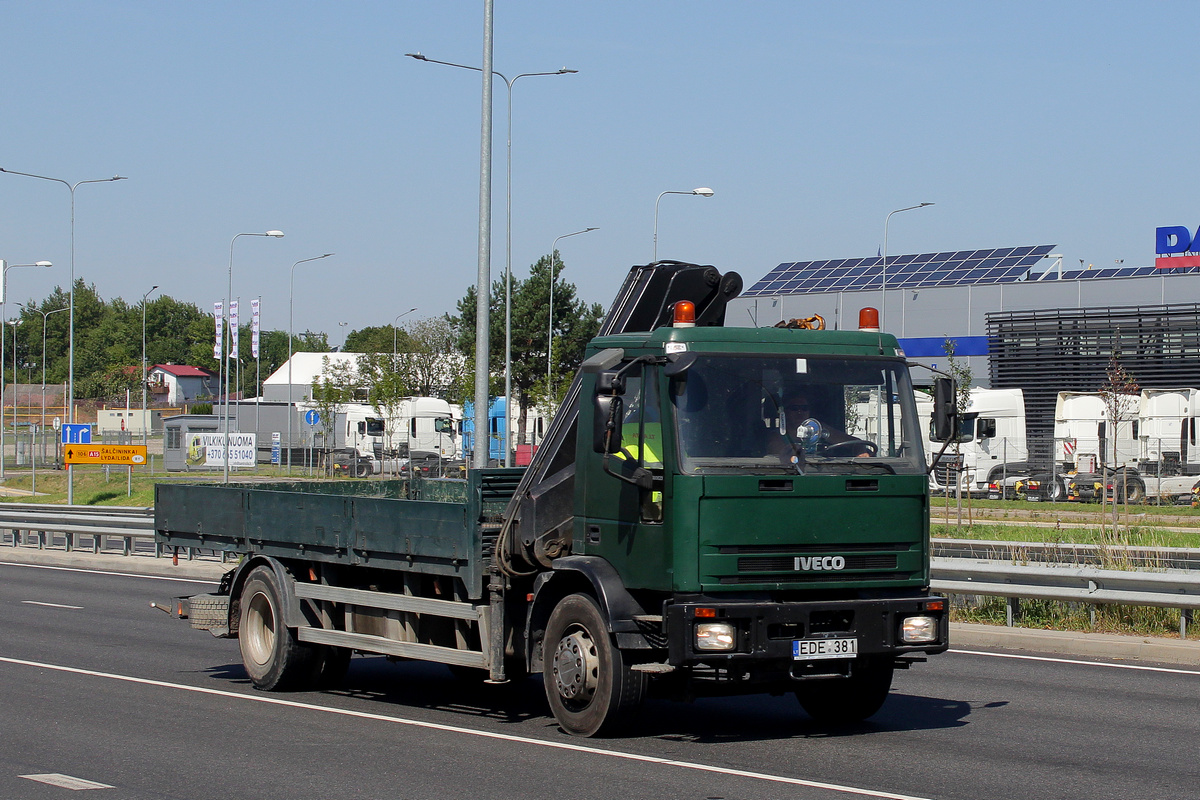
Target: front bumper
<point>766,630</point>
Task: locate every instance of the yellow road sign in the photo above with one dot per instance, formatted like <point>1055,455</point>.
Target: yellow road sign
<point>122,454</point>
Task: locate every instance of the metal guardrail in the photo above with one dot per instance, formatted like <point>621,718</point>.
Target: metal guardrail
<point>26,520</point>
<point>956,567</point>
<point>1079,555</point>
<point>1069,583</point>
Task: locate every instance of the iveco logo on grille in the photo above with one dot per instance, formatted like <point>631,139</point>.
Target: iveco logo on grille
<point>819,563</point>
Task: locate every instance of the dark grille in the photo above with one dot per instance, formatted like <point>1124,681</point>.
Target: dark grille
<point>813,577</point>
<point>750,549</point>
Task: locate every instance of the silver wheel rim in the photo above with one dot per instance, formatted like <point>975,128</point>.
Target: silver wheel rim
<point>576,668</point>
<point>260,629</point>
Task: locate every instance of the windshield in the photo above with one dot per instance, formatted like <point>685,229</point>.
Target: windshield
<point>781,414</point>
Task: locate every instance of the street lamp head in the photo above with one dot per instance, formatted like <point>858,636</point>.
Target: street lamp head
<point>417,56</point>
<point>565,71</point>
<point>118,178</point>
<point>924,204</point>
<point>276,234</point>
<point>43,264</point>
<point>704,191</point>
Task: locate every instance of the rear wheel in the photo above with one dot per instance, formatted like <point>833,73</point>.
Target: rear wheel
<point>1129,489</point>
<point>846,700</point>
<point>588,682</point>
<point>273,657</point>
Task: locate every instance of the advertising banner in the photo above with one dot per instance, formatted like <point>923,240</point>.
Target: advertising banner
<point>254,311</point>
<point>233,329</point>
<point>219,316</point>
<point>208,450</point>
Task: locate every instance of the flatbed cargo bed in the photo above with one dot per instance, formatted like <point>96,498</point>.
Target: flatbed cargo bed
<point>432,526</point>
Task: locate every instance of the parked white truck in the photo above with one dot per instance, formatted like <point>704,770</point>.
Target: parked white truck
<point>991,443</point>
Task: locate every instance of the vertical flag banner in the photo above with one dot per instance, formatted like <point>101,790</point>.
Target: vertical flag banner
<point>219,315</point>
<point>233,329</point>
<point>254,311</point>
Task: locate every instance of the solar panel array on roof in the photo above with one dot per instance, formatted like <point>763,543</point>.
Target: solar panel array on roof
<point>1000,265</point>
<point>1107,272</point>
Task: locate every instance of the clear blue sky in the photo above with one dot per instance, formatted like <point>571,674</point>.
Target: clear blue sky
<point>1026,123</point>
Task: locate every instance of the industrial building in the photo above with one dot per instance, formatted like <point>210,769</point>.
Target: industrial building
<point>1015,315</point>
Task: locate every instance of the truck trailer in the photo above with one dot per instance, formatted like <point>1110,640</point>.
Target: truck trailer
<point>679,531</point>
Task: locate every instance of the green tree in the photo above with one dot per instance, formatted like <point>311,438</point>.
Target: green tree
<point>331,391</point>
<point>376,339</point>
<point>574,324</point>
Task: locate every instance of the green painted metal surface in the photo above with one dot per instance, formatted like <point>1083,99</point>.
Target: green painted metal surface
<point>358,523</point>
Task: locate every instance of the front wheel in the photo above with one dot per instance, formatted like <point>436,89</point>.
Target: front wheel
<point>273,657</point>
<point>588,683</point>
<point>840,701</point>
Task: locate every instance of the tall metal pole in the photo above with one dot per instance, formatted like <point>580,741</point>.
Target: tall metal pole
<point>483,278</point>
<point>14,323</point>
<point>225,352</point>
<point>702,191</point>
<point>550,393</point>
<point>145,438</point>
<point>291,294</point>
<point>395,330</point>
<point>45,317</point>
<point>883,303</point>
<point>71,334</point>
<point>508,239</point>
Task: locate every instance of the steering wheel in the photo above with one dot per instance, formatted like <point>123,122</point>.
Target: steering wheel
<point>859,445</point>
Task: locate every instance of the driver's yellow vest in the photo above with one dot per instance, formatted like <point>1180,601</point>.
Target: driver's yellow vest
<point>651,456</point>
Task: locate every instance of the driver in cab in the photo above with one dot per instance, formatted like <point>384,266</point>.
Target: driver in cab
<point>804,429</point>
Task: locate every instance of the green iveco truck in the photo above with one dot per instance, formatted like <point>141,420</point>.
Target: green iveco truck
<point>688,528</point>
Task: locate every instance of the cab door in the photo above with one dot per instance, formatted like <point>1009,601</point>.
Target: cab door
<point>622,522</point>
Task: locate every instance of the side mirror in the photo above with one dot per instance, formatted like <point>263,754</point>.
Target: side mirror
<point>987,428</point>
<point>945,409</point>
<point>607,413</point>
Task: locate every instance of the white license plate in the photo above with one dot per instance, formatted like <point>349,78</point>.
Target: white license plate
<point>810,649</point>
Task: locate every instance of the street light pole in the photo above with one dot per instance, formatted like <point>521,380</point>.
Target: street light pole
<point>508,238</point>
<point>550,394</point>
<point>145,442</point>
<point>14,323</point>
<point>225,353</point>
<point>394,331</point>
<point>702,191</point>
<point>291,293</point>
<point>883,304</point>
<point>4,268</point>
<point>45,317</point>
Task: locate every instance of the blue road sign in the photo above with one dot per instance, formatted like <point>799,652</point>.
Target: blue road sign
<point>312,417</point>
<point>76,434</point>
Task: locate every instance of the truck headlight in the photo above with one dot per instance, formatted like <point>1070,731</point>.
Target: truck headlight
<point>715,636</point>
<point>917,630</point>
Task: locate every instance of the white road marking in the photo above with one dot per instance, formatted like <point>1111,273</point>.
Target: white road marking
<point>104,572</point>
<point>505,737</point>
<point>66,781</point>
<point>1075,661</point>
<point>50,605</point>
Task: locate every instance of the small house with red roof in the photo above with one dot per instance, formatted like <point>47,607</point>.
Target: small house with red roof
<point>176,384</point>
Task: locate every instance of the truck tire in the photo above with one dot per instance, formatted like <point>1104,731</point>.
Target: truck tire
<point>1129,489</point>
<point>273,657</point>
<point>1058,490</point>
<point>852,699</point>
<point>362,468</point>
<point>588,682</point>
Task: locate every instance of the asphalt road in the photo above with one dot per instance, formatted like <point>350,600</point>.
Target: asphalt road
<point>95,685</point>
